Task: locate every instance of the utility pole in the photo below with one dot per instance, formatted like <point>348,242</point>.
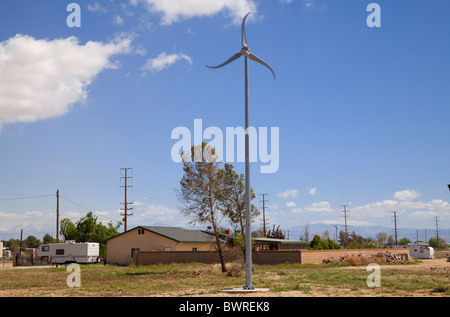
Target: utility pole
<point>264,211</point>
<point>346,229</point>
<point>436,222</point>
<point>395,227</point>
<point>20,247</point>
<point>57,216</point>
<point>126,202</point>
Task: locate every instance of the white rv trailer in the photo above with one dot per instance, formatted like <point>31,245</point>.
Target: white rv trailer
<point>69,252</point>
<point>421,251</point>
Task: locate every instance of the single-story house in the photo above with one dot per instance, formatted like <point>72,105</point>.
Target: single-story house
<point>120,248</point>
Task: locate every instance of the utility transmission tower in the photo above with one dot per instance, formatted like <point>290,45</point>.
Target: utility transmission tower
<point>345,211</point>
<point>125,214</point>
<point>264,212</point>
<point>395,227</point>
<point>436,222</point>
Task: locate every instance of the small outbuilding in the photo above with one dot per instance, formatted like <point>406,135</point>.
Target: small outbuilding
<point>120,249</point>
<point>279,244</point>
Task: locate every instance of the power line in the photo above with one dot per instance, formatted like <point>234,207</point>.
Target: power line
<point>87,209</point>
<point>70,201</point>
<point>28,197</point>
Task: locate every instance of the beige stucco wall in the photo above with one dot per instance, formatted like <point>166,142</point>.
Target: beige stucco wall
<point>119,248</point>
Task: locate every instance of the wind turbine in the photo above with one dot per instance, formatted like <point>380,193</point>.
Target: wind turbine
<point>245,51</point>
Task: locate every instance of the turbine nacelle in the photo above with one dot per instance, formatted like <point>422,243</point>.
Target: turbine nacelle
<point>245,51</point>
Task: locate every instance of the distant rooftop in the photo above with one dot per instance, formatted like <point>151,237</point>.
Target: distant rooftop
<point>178,234</point>
<point>279,241</point>
<point>181,235</point>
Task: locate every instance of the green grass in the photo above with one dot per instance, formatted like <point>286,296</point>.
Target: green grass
<point>207,280</point>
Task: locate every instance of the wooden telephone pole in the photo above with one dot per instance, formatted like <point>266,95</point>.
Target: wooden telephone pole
<point>57,216</point>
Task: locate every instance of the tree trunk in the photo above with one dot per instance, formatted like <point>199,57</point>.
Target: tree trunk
<point>219,244</point>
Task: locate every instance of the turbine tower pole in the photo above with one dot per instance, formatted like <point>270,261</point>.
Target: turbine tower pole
<point>248,220</point>
<point>245,51</point>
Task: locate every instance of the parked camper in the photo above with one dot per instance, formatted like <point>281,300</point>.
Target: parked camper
<point>421,251</point>
<point>69,252</point>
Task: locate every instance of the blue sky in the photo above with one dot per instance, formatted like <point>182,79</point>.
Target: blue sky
<point>362,112</point>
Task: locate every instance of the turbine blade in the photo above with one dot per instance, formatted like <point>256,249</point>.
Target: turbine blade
<point>257,59</point>
<point>232,59</point>
<point>244,36</point>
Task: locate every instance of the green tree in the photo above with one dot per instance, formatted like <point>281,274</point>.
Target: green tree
<point>390,240</point>
<point>317,243</point>
<point>404,241</point>
<point>433,242</point>
<point>382,238</point>
<point>68,229</point>
<point>234,198</point>
<point>32,242</point>
<point>202,190</point>
<point>87,229</point>
<point>48,239</point>
<point>12,244</point>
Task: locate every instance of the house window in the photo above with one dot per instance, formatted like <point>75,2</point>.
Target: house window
<point>194,249</point>
<point>134,249</point>
<point>141,231</point>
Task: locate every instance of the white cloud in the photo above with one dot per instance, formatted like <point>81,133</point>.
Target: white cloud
<point>118,20</point>
<point>32,222</point>
<point>96,7</point>
<point>378,209</point>
<point>163,61</point>
<point>341,222</point>
<point>290,204</point>
<point>406,195</point>
<point>175,10</point>
<point>158,213</point>
<point>312,191</point>
<point>41,79</point>
<point>288,193</point>
<point>319,207</point>
<point>405,206</point>
<point>312,5</point>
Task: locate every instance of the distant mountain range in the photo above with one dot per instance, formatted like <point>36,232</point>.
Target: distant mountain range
<point>294,233</point>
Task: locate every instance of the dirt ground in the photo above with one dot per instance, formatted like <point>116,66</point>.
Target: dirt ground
<point>424,269</point>
<point>432,265</point>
